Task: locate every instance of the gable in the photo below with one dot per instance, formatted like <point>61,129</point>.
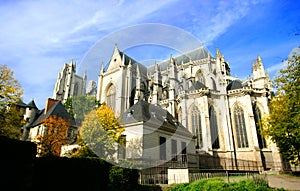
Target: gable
<point>116,60</point>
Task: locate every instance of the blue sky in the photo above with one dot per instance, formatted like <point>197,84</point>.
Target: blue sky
<point>38,37</point>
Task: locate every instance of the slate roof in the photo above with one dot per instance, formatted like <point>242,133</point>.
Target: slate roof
<point>235,84</point>
<point>21,104</point>
<point>153,116</point>
<point>57,109</point>
<point>196,54</point>
<point>32,104</point>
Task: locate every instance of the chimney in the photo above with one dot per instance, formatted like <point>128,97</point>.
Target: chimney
<point>49,104</point>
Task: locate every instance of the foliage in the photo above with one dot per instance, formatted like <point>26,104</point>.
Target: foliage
<point>123,179</point>
<point>109,122</point>
<point>79,106</point>
<point>283,123</point>
<point>11,123</point>
<point>10,88</point>
<point>219,184</point>
<point>101,131</point>
<point>62,173</point>
<point>10,95</point>
<point>150,187</point>
<point>83,152</point>
<point>54,136</point>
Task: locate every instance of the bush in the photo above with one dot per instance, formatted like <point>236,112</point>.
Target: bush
<point>151,187</point>
<point>219,184</point>
<point>123,179</point>
<point>70,174</point>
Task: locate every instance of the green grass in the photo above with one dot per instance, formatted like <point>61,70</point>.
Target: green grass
<point>216,184</point>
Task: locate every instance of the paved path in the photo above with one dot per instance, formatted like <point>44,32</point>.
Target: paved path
<point>284,181</point>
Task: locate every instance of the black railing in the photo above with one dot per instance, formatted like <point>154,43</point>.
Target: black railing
<point>203,166</point>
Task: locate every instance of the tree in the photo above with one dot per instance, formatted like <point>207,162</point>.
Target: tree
<point>283,122</point>
<point>101,131</point>
<point>10,88</point>
<point>109,122</point>
<point>79,106</point>
<point>54,136</point>
<point>11,123</point>
<point>83,151</point>
<point>10,95</point>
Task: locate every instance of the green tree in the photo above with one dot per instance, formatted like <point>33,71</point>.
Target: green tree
<point>10,95</point>
<point>79,106</point>
<point>283,122</point>
<point>11,122</point>
<point>101,131</point>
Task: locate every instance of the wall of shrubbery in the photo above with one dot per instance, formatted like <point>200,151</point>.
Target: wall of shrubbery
<point>21,170</point>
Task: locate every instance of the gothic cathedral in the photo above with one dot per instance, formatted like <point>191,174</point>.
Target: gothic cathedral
<point>221,112</point>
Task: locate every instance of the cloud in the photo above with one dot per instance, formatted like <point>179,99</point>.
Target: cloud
<point>219,16</point>
<point>37,37</point>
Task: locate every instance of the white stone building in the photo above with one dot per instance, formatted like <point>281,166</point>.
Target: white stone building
<point>68,83</point>
<point>222,113</point>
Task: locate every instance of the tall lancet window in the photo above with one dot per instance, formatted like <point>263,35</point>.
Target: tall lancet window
<point>240,127</point>
<point>179,115</point>
<point>111,96</point>
<point>75,89</point>
<point>196,126</point>
<point>214,132</point>
<point>258,124</point>
<point>200,77</point>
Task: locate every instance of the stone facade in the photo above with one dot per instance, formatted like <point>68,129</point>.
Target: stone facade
<point>223,113</point>
<point>68,83</point>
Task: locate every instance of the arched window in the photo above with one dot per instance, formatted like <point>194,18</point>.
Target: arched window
<point>111,97</point>
<point>179,115</point>
<point>200,77</point>
<point>258,124</point>
<point>214,132</point>
<point>240,127</point>
<point>213,82</point>
<point>196,126</point>
<point>75,92</point>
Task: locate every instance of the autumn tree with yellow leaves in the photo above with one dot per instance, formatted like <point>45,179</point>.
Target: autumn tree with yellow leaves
<point>10,94</point>
<point>101,131</point>
<point>53,137</point>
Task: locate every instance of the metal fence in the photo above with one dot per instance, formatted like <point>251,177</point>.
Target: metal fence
<point>199,166</point>
<point>194,176</point>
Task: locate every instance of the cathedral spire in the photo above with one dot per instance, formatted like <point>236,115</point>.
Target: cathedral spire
<point>172,61</point>
<point>258,70</point>
<point>258,60</point>
<point>172,69</point>
<point>102,68</point>
<point>138,73</point>
<point>84,75</point>
<point>218,53</point>
<point>155,67</point>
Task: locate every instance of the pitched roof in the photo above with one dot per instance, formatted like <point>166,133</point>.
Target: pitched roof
<point>196,54</point>
<point>32,104</point>
<point>21,104</point>
<point>235,84</point>
<point>58,110</point>
<point>153,116</point>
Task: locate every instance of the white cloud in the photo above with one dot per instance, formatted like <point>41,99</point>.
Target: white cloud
<point>220,16</point>
<point>37,37</point>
